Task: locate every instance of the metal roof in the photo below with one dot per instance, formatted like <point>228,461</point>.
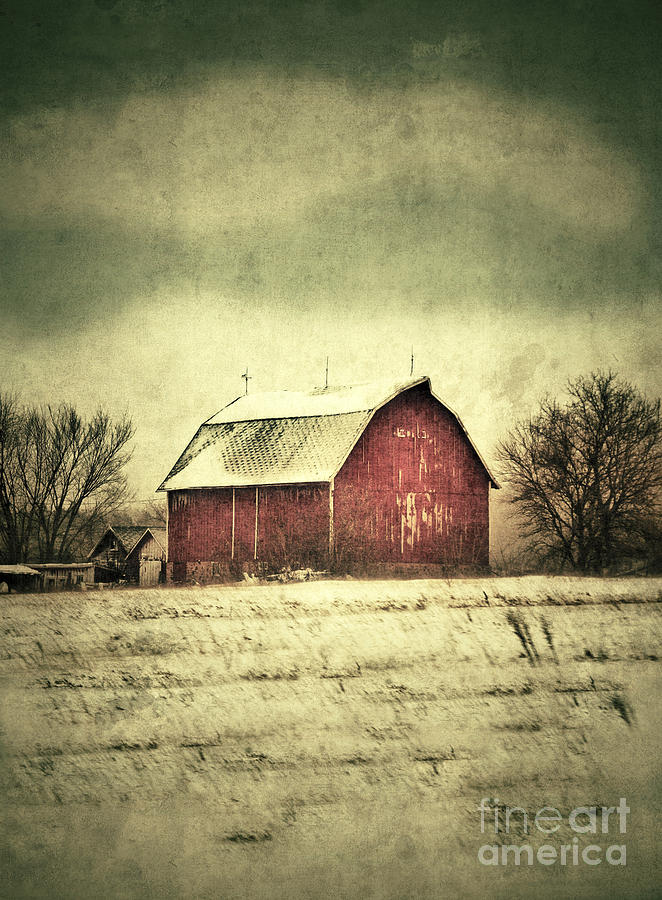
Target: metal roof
<point>284,437</point>
<point>266,451</point>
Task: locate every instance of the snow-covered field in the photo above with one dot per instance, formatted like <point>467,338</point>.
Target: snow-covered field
<point>326,739</point>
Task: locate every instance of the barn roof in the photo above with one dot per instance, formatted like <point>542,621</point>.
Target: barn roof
<point>284,437</point>
<point>328,401</point>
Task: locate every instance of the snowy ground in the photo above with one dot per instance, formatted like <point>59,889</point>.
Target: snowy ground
<point>325,739</point>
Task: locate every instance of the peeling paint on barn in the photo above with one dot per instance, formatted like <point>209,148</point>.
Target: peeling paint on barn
<point>365,473</point>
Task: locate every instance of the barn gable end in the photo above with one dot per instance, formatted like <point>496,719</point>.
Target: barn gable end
<point>413,488</point>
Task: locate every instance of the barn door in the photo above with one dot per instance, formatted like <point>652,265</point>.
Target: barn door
<point>150,572</point>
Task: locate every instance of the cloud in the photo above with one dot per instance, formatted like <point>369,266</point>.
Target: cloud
<point>159,244</point>
<point>258,149</point>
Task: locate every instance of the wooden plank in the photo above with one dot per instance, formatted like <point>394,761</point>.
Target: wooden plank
<point>331,533</point>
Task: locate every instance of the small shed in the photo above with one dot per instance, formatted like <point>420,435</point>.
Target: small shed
<point>18,577</point>
<point>134,552</point>
<point>64,576</point>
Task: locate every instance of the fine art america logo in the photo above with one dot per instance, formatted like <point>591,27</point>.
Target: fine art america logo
<point>606,821</point>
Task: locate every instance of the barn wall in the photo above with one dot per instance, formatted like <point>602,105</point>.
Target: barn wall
<point>292,527</point>
<point>149,548</point>
<point>413,489</point>
<point>199,525</point>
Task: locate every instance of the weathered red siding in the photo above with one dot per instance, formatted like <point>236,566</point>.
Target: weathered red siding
<point>292,525</point>
<point>413,488</point>
<point>199,525</point>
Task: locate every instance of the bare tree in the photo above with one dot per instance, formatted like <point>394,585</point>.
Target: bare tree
<point>585,477</point>
<point>18,513</point>
<point>59,475</point>
<point>151,512</point>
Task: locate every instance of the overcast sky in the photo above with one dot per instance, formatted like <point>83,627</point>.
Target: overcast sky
<point>190,188</point>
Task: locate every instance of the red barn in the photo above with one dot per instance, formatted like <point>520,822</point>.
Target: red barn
<point>365,473</point>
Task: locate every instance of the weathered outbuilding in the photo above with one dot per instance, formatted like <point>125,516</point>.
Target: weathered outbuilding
<point>367,473</point>
<point>64,576</point>
<point>134,552</point>
<point>17,577</point>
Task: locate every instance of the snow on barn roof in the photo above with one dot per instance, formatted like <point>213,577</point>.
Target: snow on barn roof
<point>328,401</point>
<point>284,437</point>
